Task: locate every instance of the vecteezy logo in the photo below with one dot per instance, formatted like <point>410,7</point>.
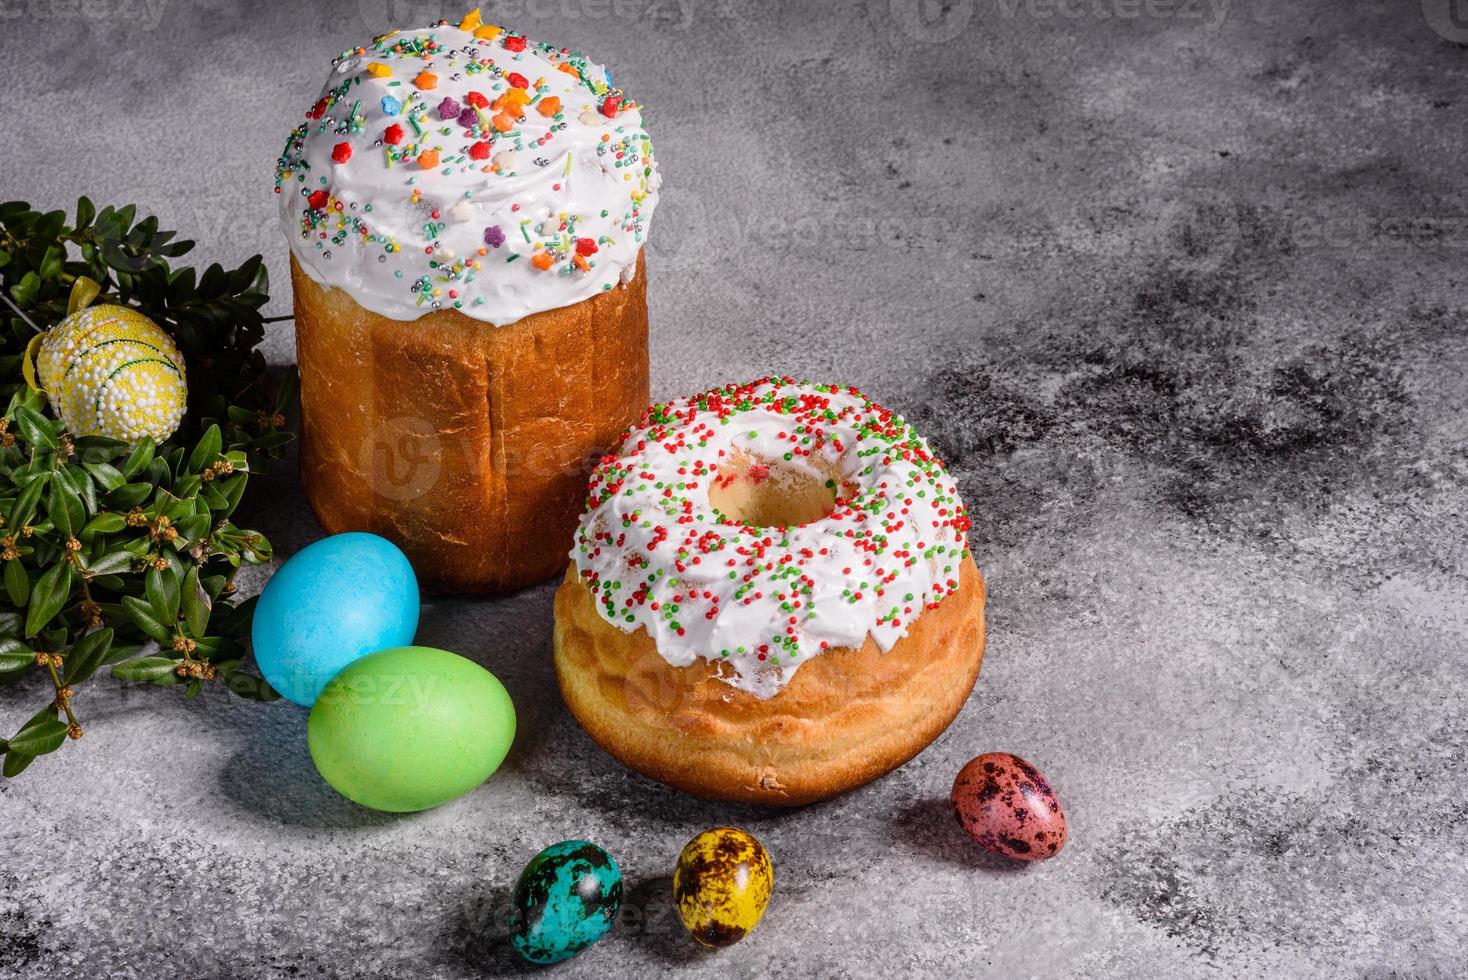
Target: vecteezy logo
<point>1195,230</point>
<point>929,21</point>
<point>685,236</point>
<point>1448,18</point>
<point>401,458</point>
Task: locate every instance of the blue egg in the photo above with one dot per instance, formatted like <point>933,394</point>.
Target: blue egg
<point>332,602</point>
<point>566,899</point>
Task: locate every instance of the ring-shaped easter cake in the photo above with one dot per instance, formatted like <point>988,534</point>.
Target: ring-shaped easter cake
<point>771,597</point>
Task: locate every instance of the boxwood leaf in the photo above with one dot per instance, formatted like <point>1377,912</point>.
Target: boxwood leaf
<point>16,763</point>
<point>108,477</point>
<point>25,505</point>
<point>141,613</point>
<point>163,594</point>
<point>50,594</point>
<point>34,428</point>
<point>24,292</point>
<point>43,733</point>
<point>14,655</point>
<point>119,560</point>
<point>138,460</point>
<point>79,481</point>
<point>192,528</point>
<point>130,495</point>
<point>86,656</point>
<point>65,506</point>
<point>108,523</point>
<point>234,489</point>
<point>210,494</point>
<point>196,603</point>
<point>17,582</point>
<point>207,450</point>
<point>150,670</point>
<point>125,651</point>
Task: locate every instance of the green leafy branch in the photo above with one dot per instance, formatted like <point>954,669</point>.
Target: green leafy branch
<point>123,556</point>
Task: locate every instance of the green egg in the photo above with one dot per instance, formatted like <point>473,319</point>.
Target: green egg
<point>409,728</point>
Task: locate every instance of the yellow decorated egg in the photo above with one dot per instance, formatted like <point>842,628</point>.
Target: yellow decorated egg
<point>110,371</point>
<point>722,885</point>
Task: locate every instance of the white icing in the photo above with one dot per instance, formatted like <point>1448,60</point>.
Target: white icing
<point>657,555</point>
<point>577,175</point>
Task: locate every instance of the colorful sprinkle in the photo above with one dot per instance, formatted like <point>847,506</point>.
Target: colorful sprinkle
<point>412,248</point>
<point>890,545</point>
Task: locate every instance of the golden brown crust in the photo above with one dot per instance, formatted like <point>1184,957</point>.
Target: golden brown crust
<point>847,717</point>
<point>467,444</point>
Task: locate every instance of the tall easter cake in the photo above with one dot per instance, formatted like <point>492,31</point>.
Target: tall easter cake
<point>466,210</point>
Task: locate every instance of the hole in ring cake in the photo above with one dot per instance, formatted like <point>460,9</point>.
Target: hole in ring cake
<point>770,598</point>
<point>765,493</point>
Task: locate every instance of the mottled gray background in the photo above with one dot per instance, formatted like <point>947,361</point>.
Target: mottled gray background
<point>1178,289</point>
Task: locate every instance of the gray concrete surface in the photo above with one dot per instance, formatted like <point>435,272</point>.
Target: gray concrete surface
<point>1178,289</point>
